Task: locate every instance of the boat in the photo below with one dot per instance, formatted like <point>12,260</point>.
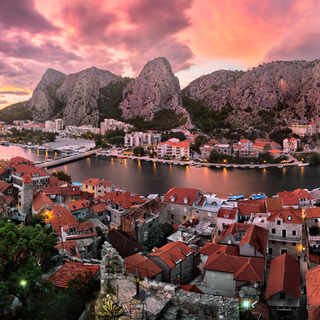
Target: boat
<point>280,167</point>
<point>236,197</point>
<point>303,164</point>
<point>235,166</point>
<point>217,166</point>
<point>197,166</point>
<point>243,167</point>
<point>257,196</point>
<point>263,167</point>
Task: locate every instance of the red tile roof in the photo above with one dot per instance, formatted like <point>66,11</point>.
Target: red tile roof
<point>70,246</point>
<point>254,235</point>
<point>213,141</point>
<point>190,288</point>
<point>284,275</point>
<point>287,215</point>
<point>274,151</point>
<point>23,169</point>
<point>314,258</point>
<point>184,196</point>
<point>312,213</point>
<point>99,207</point>
<point>172,252</point>
<point>105,183</point>
<point>300,193</point>
<point>70,191</point>
<point>69,270</point>
<point>146,267</point>
<point>40,200</point>
<point>124,199</point>
<point>55,182</point>
<point>80,230</point>
<point>290,201</point>
<point>313,292</point>
<point>227,259</point>
<point>273,204</point>
<point>247,207</point>
<point>210,248</point>
<point>27,178</point>
<point>51,190</point>
<point>91,182</point>
<point>77,205</point>
<point>18,161</point>
<point>59,217</point>
<point>227,213</point>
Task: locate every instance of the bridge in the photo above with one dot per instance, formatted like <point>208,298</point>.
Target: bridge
<point>59,162</point>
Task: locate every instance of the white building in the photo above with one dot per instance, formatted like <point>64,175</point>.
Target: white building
<point>54,126</point>
<point>174,149</point>
<point>303,128</point>
<point>112,124</point>
<point>290,145</point>
<point>135,139</point>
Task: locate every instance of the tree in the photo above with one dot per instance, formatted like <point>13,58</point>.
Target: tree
<point>117,140</point>
<point>138,151</point>
<point>98,140</point>
<point>157,237</point>
<point>25,254</point>
<point>198,141</point>
<point>61,175</point>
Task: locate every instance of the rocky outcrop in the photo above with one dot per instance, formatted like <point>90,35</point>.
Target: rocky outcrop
<point>79,94</point>
<point>43,101</point>
<point>155,88</point>
<point>291,88</point>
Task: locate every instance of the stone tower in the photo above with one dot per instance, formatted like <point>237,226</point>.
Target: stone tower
<point>26,195</point>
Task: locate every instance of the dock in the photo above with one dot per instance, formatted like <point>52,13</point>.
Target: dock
<point>72,158</point>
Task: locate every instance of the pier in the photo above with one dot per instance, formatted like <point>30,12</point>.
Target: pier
<point>72,158</point>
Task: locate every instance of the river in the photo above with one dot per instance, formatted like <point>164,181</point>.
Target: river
<point>147,177</point>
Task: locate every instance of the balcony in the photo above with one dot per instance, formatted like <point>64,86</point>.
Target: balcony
<point>284,239</point>
<point>284,303</point>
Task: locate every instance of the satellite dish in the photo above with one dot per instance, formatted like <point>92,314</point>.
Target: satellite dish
<point>229,241</point>
<point>255,285</point>
<point>241,293</point>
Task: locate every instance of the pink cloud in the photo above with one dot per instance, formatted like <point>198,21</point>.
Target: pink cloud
<point>16,93</point>
<point>22,15</point>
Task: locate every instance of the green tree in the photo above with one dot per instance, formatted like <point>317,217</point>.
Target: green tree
<point>138,151</point>
<point>98,140</point>
<point>157,237</point>
<point>198,141</point>
<point>61,175</point>
<point>25,253</point>
<point>117,140</point>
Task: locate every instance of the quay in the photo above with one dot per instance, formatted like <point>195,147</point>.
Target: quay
<point>72,158</point>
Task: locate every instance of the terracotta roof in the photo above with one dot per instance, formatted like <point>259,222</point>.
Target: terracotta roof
<point>254,235</point>
<point>312,213</point>
<point>300,193</point>
<point>105,183</point>
<point>146,267</point>
<point>313,292</point>
<point>23,169</point>
<point>210,248</point>
<point>172,252</point>
<point>59,217</point>
<point>51,190</point>
<point>123,243</point>
<point>213,141</point>
<point>124,199</point>
<point>91,182</point>
<point>55,182</point>
<point>99,207</point>
<point>69,270</point>
<point>275,151</point>
<point>86,195</point>
<point>227,213</point>
<point>40,200</point>
<point>18,161</point>
<point>284,275</point>
<point>247,207</point>
<point>77,205</point>
<point>244,140</point>
<point>70,246</point>
<point>287,215</point>
<point>273,204</point>
<point>190,288</point>
<point>70,191</point>
<point>80,230</point>
<point>227,259</point>
<point>315,258</point>
<point>184,196</point>
<point>4,186</point>
<point>259,144</point>
<point>290,201</point>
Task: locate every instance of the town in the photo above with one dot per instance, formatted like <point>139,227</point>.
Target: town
<point>184,252</point>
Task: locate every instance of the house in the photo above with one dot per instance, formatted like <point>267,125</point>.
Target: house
<point>275,145</point>
<point>226,216</point>
<point>227,273</point>
<point>313,228</point>
<point>247,207</point>
<point>70,270</point>
<point>16,161</point>
<point>176,260</point>
<point>247,144</point>
<point>97,186</point>
<point>62,194</point>
<point>41,204</point>
<point>205,151</point>
<point>313,293</point>
<point>101,212</point>
<point>223,148</point>
<point>262,147</point>
<point>291,145</point>
<point>285,232</point>
<point>303,128</point>
<point>251,239</point>
<point>275,153</point>
<point>9,191</point>
<point>80,209</point>
<point>283,286</point>
<point>146,268</point>
<point>174,149</point>
<point>305,199</point>
<point>180,202</point>
<point>124,244</point>
<point>70,247</point>
<point>140,219</point>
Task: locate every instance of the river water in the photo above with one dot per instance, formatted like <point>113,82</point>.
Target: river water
<point>147,177</point>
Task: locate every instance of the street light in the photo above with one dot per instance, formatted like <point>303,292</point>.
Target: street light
<point>23,283</point>
<point>246,304</point>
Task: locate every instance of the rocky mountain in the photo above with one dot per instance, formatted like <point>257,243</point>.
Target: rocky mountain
<point>156,88</point>
<point>287,89</point>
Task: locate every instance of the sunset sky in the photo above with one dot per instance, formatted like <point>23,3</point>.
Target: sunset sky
<point>196,36</point>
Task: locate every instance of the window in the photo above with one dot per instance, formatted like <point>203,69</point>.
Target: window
<point>273,230</point>
<point>184,217</point>
<point>282,295</point>
<point>172,216</point>
<point>284,243</point>
<point>228,276</point>
<point>92,187</point>
<point>294,244</point>
<point>315,220</point>
<point>278,222</point>
<point>294,232</point>
<point>273,242</point>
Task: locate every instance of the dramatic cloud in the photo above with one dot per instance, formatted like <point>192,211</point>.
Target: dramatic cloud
<point>22,14</point>
<point>16,93</point>
<point>4,102</point>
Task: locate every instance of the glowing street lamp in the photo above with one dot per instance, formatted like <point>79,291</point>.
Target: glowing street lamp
<point>246,304</point>
<point>23,283</point>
